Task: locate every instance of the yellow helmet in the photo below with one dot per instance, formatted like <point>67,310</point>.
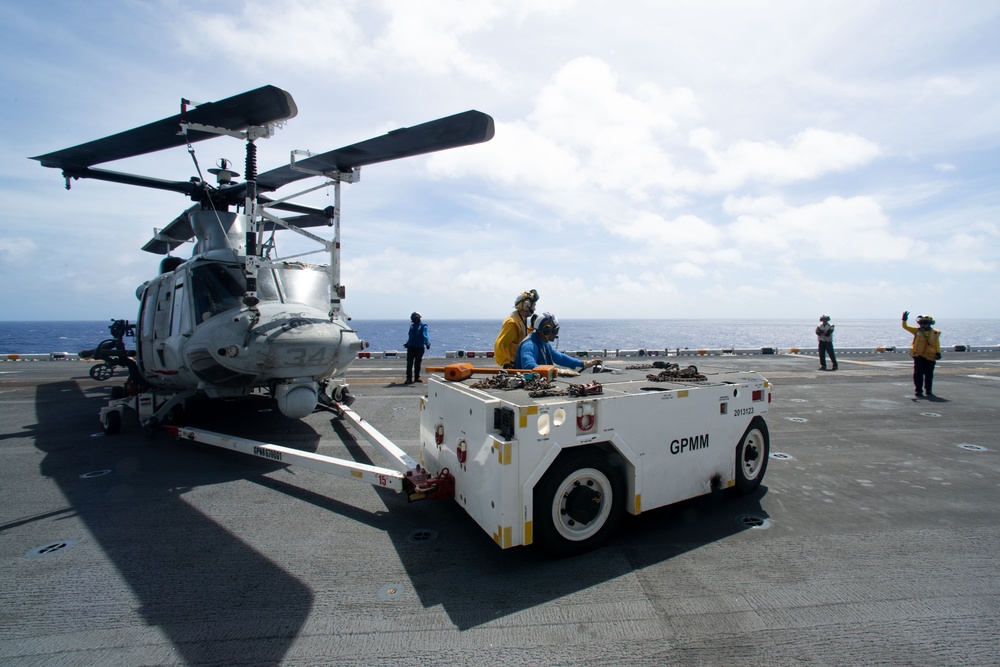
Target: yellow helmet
<point>530,295</point>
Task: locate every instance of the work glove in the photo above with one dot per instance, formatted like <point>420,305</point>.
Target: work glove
<point>937,356</point>
<point>906,315</point>
<point>428,346</point>
<point>591,362</point>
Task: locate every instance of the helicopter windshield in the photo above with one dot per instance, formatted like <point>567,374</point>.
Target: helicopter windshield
<point>292,282</point>
<point>216,288</point>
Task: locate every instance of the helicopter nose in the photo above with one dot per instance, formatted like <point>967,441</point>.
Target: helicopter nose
<point>308,348</point>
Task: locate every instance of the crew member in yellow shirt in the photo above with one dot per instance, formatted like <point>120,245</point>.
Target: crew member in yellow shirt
<point>925,350</point>
<point>515,328</point>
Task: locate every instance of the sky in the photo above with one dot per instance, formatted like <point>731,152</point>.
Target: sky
<point>652,158</point>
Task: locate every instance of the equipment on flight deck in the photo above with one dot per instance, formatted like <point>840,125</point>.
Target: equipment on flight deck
<point>458,372</point>
<point>235,318</point>
<point>557,468</point>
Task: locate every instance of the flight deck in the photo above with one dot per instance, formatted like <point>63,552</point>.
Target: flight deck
<point>872,539</point>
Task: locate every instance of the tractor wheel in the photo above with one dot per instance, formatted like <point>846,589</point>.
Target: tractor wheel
<point>578,503</point>
<point>751,456</point>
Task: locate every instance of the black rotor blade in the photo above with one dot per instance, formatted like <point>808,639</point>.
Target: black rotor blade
<point>317,219</point>
<point>176,233</point>
<point>264,105</point>
<point>463,129</point>
<point>189,188</point>
<point>179,230</point>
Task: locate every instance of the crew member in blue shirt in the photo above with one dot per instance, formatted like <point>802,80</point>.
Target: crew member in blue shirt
<point>536,349</point>
<point>416,341</point>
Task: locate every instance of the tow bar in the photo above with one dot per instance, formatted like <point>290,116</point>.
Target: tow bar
<point>407,476</point>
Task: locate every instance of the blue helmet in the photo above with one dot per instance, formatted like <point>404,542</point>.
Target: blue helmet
<point>548,325</point>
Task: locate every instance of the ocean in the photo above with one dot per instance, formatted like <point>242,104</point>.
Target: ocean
<point>478,335</point>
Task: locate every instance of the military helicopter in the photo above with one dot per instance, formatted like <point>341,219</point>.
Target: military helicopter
<point>235,318</point>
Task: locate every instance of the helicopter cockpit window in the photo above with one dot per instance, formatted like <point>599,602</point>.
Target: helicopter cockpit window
<point>216,288</point>
<point>292,282</point>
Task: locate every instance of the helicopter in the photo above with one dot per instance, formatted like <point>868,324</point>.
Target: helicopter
<point>235,318</point>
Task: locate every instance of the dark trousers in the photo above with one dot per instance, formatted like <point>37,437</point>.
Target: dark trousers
<point>414,357</point>
<point>826,347</point>
<point>923,374</point>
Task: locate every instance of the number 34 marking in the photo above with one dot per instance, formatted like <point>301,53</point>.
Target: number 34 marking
<point>300,356</point>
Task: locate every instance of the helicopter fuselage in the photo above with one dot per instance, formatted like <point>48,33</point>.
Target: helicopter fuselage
<point>194,330</point>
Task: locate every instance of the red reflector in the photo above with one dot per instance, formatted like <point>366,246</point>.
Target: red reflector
<point>758,395</point>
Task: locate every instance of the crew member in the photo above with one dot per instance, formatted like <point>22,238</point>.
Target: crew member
<point>824,332</point>
<point>536,349</point>
<point>515,328</point>
<point>925,350</point>
<point>416,341</point>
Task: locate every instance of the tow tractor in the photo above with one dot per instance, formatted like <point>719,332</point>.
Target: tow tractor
<point>539,458</point>
<point>558,463</point>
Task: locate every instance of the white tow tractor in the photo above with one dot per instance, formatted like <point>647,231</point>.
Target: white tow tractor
<point>556,461</point>
<point>559,466</point>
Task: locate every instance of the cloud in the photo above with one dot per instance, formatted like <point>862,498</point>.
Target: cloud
<point>966,252</point>
<point>17,251</point>
<point>683,232</point>
<point>808,155</point>
<point>586,136</point>
<point>312,34</point>
<point>427,37</point>
<point>357,39</point>
<point>657,160</point>
<point>839,229</point>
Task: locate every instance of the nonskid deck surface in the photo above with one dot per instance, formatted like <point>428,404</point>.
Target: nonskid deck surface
<point>871,541</point>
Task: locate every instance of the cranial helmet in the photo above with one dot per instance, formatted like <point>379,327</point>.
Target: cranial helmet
<point>548,325</point>
<point>824,318</point>
<point>530,295</point>
<point>925,319</point>
<point>414,316</point>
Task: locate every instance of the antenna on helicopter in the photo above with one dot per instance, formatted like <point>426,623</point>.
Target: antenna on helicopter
<point>223,174</point>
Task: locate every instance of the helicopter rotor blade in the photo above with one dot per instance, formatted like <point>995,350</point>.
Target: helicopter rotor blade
<point>463,129</point>
<point>179,230</point>
<point>191,188</point>
<point>175,234</point>
<point>264,105</point>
